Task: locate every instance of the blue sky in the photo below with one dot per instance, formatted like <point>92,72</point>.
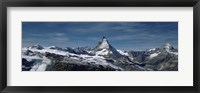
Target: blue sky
<point>121,35</point>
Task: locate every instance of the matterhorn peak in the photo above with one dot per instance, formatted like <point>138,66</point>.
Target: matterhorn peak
<point>104,37</point>
<point>103,44</point>
<point>104,48</point>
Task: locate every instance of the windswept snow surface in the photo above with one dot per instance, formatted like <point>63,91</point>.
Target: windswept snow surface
<point>104,44</point>
<point>175,53</point>
<point>103,52</point>
<point>154,55</point>
<point>98,60</point>
<point>54,51</point>
<point>41,63</point>
<point>153,49</point>
<point>123,53</point>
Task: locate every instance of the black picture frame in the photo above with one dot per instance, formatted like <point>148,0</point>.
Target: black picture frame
<point>98,3</point>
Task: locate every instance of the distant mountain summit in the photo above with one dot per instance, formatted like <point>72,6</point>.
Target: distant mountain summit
<point>169,48</point>
<point>103,44</point>
<point>37,46</point>
<point>55,48</point>
<point>103,48</point>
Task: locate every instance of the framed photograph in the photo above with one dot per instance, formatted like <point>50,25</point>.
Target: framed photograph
<point>100,46</point>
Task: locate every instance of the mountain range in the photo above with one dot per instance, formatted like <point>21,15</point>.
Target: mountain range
<point>103,57</point>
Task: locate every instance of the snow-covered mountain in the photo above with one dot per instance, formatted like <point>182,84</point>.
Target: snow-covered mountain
<point>104,57</point>
<point>105,49</point>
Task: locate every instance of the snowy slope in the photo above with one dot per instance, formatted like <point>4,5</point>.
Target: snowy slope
<point>42,62</point>
<point>154,55</point>
<point>104,44</point>
<point>123,53</point>
<point>103,56</point>
<point>104,48</point>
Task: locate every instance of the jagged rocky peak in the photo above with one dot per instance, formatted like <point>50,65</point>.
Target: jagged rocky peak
<point>167,46</point>
<point>103,44</point>
<point>27,52</point>
<point>37,46</point>
<point>55,47</point>
<point>104,48</point>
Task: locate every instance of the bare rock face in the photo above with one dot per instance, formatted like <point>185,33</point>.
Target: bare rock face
<point>105,49</point>
<point>37,46</point>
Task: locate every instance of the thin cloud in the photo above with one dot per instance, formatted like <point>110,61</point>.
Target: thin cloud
<point>59,34</point>
<point>60,39</point>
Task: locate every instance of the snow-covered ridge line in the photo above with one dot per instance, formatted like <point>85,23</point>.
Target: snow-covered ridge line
<point>123,53</point>
<point>154,55</point>
<point>153,49</point>
<point>102,56</point>
<point>40,65</point>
